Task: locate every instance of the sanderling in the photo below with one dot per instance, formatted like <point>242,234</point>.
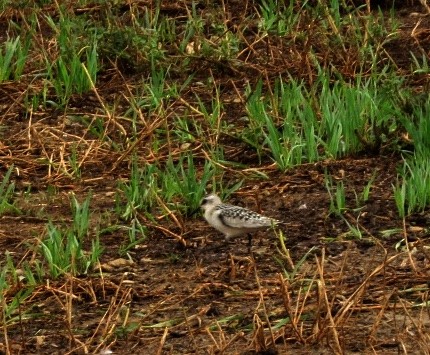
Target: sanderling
<point>232,220</point>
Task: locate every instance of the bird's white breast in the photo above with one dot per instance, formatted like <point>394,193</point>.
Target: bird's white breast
<point>212,216</point>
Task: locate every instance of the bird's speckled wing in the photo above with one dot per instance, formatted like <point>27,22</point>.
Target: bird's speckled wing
<point>238,217</point>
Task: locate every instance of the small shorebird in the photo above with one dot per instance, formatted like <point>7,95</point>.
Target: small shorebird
<point>233,221</point>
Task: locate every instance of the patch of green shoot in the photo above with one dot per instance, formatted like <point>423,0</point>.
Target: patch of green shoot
<point>140,192</point>
<point>136,235</point>
<point>363,197</point>
<point>7,189</point>
<point>13,57</point>
<point>183,180</point>
<point>63,249</point>
<point>412,189</point>
<point>337,195</point>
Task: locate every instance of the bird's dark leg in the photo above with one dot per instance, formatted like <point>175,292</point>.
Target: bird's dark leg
<point>249,241</point>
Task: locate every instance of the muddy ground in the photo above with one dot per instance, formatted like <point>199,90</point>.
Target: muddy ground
<point>335,292</point>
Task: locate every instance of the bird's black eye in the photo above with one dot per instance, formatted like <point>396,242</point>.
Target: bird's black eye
<point>204,201</point>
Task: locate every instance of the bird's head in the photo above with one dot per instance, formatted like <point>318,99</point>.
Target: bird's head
<point>210,201</point>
